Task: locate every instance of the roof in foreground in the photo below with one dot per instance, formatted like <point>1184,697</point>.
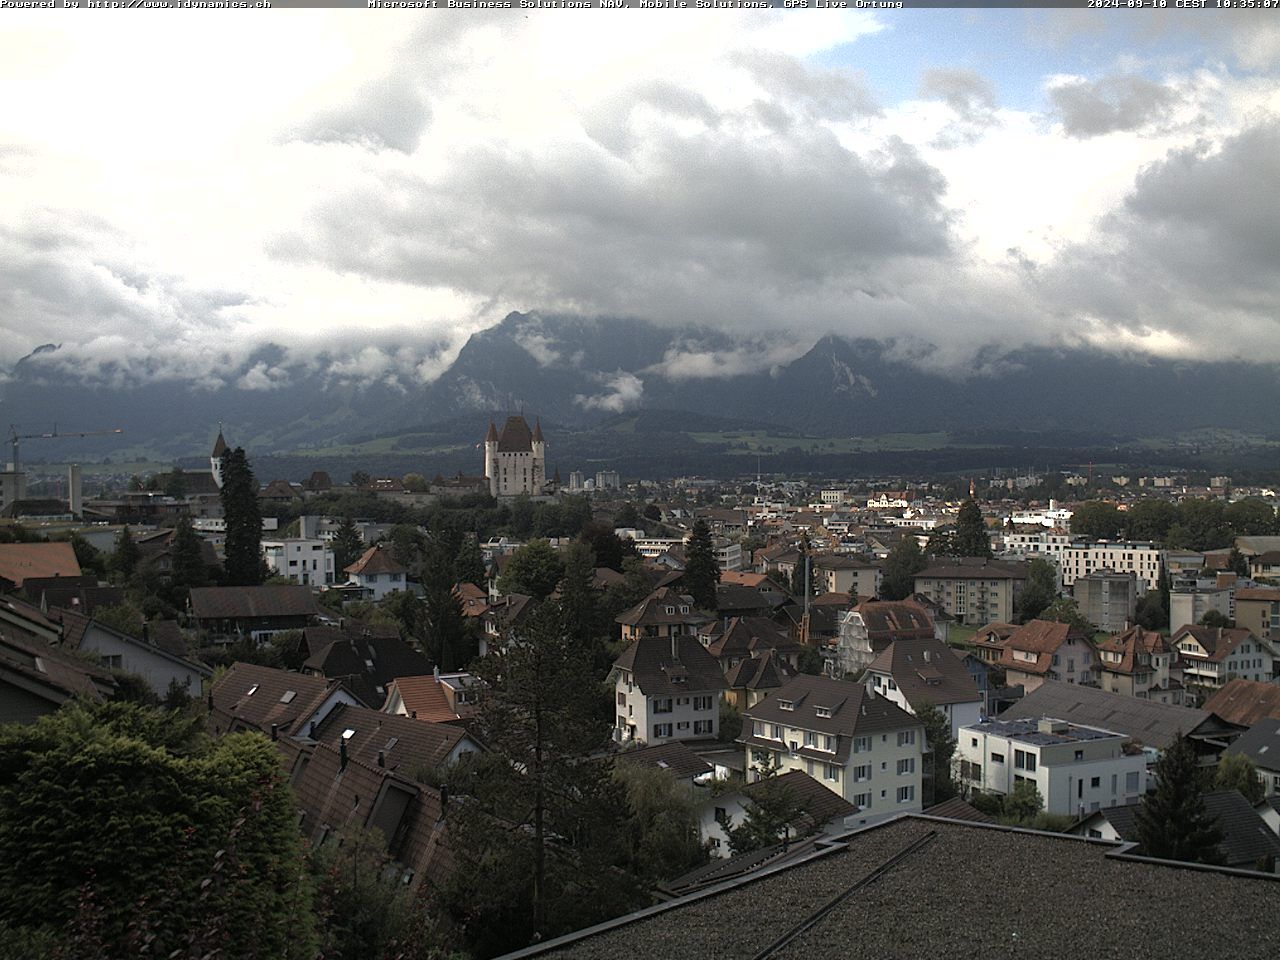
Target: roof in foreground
<point>910,883</point>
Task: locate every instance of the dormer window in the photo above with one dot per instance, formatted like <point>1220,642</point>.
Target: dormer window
<point>671,610</point>
<point>823,711</point>
<point>786,705</point>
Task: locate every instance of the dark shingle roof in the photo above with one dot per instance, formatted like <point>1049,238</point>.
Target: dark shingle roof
<point>1260,743</point>
<point>377,559</point>
<point>246,603</point>
<point>658,670</point>
<point>515,436</point>
<point>662,607</point>
<point>1245,701</point>
<point>972,568</point>
<point>921,903</point>
<point>764,672</point>
<point>957,809</point>
<point>673,757</point>
<point>248,695</point>
<point>926,672</point>
<point>366,659</point>
<point>1149,723</point>
<point>407,746</point>
<point>895,619</point>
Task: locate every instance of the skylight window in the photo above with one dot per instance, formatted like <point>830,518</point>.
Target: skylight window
<point>348,733</point>
<point>288,695</point>
<point>252,690</point>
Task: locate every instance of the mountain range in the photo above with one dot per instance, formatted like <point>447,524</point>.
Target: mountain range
<point>582,374</point>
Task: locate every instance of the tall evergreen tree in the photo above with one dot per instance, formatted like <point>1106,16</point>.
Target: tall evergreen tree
<point>1173,823</point>
<point>125,559</point>
<point>243,549</point>
<point>939,784</point>
<point>539,830</point>
<point>347,546</point>
<point>701,569</point>
<point>188,562</point>
<point>468,565</point>
<point>900,568</point>
<point>971,536</point>
<point>449,642</point>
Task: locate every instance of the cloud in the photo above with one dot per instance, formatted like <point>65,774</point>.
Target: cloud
<point>1111,104</point>
<point>623,391</point>
<point>390,113</point>
<point>971,96</point>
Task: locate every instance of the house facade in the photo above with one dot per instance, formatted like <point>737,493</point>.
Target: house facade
<point>913,673</point>
<point>666,688</point>
<point>377,573</point>
<point>1076,769</point>
<point>1143,559</point>
<point>853,741</point>
<point>1041,650</point>
<point>1107,599</point>
<point>308,562</point>
<point>1211,656</point>
<point>1140,663</point>
<point>515,459</point>
<point>972,590</point>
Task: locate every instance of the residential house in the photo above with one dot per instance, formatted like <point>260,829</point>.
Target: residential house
<point>667,688</point>
<point>1265,566</point>
<point>273,702</point>
<point>413,748</point>
<point>664,613</point>
<point>751,680</point>
<point>366,657</point>
<point>856,743</point>
<point>852,576</point>
<point>817,810</point>
<point>1140,663</point>
<point>913,673</point>
<point>672,758</point>
<point>733,600</point>
<point>1245,702</point>
<point>1247,842</point>
<point>378,573</point>
<point>308,562</point>
<point>735,639</point>
<point>161,669</point>
<point>37,677</point>
<point>434,697</point>
<point>872,625</point>
<point>18,561</point>
<point>988,640</point>
<point>1041,650</point>
<point>258,613</point>
<point>1076,769</point>
<point>1190,603</point>
<point>1211,656</point>
<point>1261,744</point>
<point>1107,599</point>
<point>502,619</point>
<point>973,590</point>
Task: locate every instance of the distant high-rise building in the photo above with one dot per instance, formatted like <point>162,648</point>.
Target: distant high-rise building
<point>608,480</point>
<point>576,482</point>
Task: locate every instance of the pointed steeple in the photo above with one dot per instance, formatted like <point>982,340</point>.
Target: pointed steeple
<point>492,435</point>
<point>219,445</point>
<point>537,431</point>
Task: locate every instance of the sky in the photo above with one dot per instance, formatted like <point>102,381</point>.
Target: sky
<point>366,189</point>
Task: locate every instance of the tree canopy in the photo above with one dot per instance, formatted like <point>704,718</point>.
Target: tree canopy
<point>900,568</point>
<point>1173,823</point>
<point>1097,520</point>
<point>534,569</point>
<point>243,544</point>
<point>702,569</point>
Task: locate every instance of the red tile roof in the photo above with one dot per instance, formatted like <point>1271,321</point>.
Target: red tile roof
<point>1041,637</point>
<point>375,560</point>
<point>21,560</point>
<point>1245,702</point>
<point>248,695</point>
<point>423,698</point>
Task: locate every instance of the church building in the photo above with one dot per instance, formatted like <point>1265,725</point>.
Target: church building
<point>515,459</point>
<point>215,458</point>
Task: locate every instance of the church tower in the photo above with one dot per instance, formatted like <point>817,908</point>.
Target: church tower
<point>491,458</point>
<point>215,458</point>
<point>539,449</point>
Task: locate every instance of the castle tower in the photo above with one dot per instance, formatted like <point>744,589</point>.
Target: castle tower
<point>215,458</point>
<point>491,458</point>
<point>539,448</point>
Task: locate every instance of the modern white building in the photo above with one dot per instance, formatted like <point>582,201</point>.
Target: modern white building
<point>1076,769</point>
<point>308,562</point>
<point>1082,558</point>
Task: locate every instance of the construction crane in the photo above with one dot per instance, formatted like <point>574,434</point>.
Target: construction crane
<point>15,438</point>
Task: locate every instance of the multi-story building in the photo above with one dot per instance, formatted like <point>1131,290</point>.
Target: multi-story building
<point>1076,769</point>
<point>667,688</point>
<point>1041,650</point>
<point>1140,663</point>
<point>1258,610</point>
<point>1039,543</point>
<point>1211,656</point>
<point>309,562</point>
<point>1190,604</point>
<point>378,573</point>
<point>1082,558</point>
<point>1107,599</point>
<point>913,673</point>
<point>850,739</point>
<point>664,613</point>
<point>834,573</point>
<point>973,590</point>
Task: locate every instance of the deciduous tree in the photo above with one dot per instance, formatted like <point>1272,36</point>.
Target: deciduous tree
<point>900,568</point>
<point>534,569</point>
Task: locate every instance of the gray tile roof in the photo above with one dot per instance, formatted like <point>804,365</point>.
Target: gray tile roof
<point>674,757</point>
<point>660,670</point>
<point>1260,743</point>
<point>912,885</point>
<point>926,671</point>
<point>1149,723</point>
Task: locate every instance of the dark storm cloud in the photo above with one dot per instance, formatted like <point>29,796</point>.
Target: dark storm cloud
<point>1111,104</point>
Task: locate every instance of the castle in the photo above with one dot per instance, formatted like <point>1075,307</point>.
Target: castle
<point>515,460</point>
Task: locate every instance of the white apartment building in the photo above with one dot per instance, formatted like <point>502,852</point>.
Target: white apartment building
<point>1082,558</point>
<point>667,688</point>
<point>1024,545</point>
<point>1076,769</point>
<point>307,562</point>
<point>854,742</point>
<point>1055,516</point>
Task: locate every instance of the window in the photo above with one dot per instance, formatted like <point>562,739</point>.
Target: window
<point>1095,783</point>
<point>702,703</point>
<point>810,738</point>
<point>1079,754</point>
<point>1024,760</point>
<point>786,705</point>
<point>906,737</point>
<point>997,757</point>
<point>973,741</point>
<point>757,728</point>
<point>907,765</point>
<point>862,772</point>
<point>831,771</point>
<point>661,730</point>
<point>906,794</point>
<point>823,711</point>
<point>113,661</point>
<point>701,728</point>
<point>682,725</point>
<point>662,705</point>
<point>861,744</point>
<point>862,800</point>
<point>829,744</point>
<point>622,699</point>
<point>777,731</point>
<point>1131,782</point>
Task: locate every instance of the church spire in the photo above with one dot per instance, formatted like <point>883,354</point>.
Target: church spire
<point>537,431</point>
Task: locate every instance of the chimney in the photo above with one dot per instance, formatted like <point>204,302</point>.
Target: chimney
<point>275,732</point>
<point>413,715</point>
<point>436,672</point>
<point>382,758</point>
<point>675,646</point>
<point>342,755</point>
<point>311,732</point>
